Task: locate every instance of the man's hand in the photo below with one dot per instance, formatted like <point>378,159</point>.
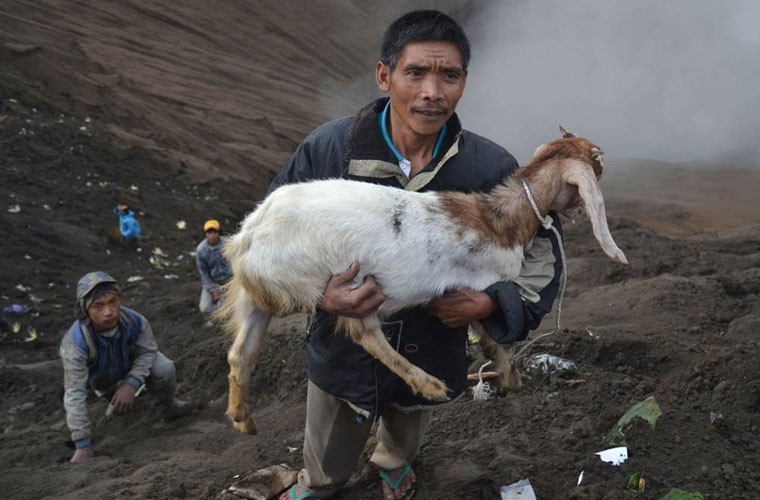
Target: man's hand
<point>216,294</point>
<point>123,398</point>
<point>460,308</point>
<point>342,299</point>
<point>82,455</point>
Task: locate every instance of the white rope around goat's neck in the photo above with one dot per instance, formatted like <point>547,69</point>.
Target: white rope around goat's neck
<point>548,223</point>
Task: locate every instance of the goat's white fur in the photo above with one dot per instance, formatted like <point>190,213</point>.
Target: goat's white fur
<point>302,234</point>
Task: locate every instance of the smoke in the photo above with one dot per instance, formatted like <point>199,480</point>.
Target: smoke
<point>675,80</point>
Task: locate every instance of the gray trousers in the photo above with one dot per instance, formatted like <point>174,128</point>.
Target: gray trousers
<point>206,304</point>
<point>162,383</point>
<point>335,439</point>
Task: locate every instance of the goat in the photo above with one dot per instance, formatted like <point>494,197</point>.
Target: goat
<point>302,234</point>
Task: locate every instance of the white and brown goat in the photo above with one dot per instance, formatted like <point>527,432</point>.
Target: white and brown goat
<point>302,234</point>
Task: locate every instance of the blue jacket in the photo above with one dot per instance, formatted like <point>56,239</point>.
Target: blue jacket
<point>128,225</point>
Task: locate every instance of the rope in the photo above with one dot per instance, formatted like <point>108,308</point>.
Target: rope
<point>548,223</point>
<point>482,390</point>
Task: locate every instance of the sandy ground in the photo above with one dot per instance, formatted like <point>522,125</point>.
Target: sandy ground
<point>679,324</point>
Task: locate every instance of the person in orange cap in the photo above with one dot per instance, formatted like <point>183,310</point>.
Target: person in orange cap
<point>213,267</point>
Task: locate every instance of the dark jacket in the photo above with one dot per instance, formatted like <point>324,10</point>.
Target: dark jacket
<point>353,148</point>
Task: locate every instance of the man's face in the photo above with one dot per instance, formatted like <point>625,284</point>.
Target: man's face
<point>424,87</point>
<point>104,312</point>
<point>212,237</point>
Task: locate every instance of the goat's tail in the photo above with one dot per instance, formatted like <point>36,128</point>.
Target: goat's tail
<point>234,300</point>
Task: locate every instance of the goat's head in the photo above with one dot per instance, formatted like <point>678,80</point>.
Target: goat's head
<point>580,166</point>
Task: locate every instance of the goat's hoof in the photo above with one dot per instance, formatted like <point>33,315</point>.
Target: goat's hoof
<point>510,382</point>
<point>434,390</point>
<point>247,426</point>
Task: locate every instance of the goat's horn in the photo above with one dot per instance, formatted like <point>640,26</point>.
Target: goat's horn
<point>588,188</point>
<point>565,133</point>
<point>596,153</point>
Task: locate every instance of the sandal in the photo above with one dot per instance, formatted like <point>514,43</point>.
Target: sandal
<point>394,484</point>
<point>292,495</point>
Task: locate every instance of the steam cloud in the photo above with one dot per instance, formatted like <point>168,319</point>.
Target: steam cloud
<point>675,80</point>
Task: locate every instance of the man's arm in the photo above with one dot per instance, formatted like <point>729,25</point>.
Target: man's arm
<point>204,271</point>
<point>524,302</point>
<point>75,374</point>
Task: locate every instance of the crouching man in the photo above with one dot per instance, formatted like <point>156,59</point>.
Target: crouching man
<point>112,350</point>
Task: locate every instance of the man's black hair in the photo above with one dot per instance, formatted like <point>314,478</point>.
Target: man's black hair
<point>422,26</point>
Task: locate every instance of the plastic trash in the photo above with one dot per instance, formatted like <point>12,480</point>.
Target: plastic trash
<point>647,409</point>
<point>17,309</point>
<point>547,364</point>
<point>521,490</point>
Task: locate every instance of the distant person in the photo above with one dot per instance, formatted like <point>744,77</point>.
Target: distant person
<point>413,140</point>
<point>111,350</point>
<point>129,226</point>
<point>213,267</point>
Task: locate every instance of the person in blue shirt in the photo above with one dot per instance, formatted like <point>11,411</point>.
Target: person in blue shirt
<point>213,267</point>
<point>129,226</point>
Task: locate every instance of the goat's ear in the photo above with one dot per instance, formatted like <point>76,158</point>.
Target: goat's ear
<point>565,133</point>
<point>596,152</point>
<point>581,176</point>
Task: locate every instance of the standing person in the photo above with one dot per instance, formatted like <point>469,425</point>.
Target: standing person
<point>410,140</point>
<point>213,267</point>
<point>111,349</point>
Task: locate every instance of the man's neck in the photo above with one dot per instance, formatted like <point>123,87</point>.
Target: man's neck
<point>417,149</point>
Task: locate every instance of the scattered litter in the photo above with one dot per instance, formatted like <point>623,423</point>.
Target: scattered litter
<point>521,490</point>
<point>714,417</point>
<point>134,188</point>
<point>547,364</point>
<point>181,225</point>
<point>614,456</point>
<point>159,259</point>
<point>580,478</point>
<point>133,279</point>
<point>14,209</point>
<point>636,483</point>
<point>34,298</point>
<point>648,409</point>
<point>22,288</point>
<point>171,276</point>
<point>46,207</point>
<point>264,484</point>
<point>16,327</point>
<point>16,309</point>
<point>28,257</point>
<point>678,494</point>
<point>292,449</point>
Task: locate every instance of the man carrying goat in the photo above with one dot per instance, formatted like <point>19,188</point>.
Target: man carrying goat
<point>411,140</point>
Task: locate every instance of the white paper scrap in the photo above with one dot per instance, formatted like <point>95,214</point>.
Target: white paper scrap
<point>615,456</point>
<point>521,490</point>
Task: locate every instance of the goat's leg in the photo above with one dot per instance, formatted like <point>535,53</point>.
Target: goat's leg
<point>367,333</point>
<point>242,358</point>
<point>509,378</point>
